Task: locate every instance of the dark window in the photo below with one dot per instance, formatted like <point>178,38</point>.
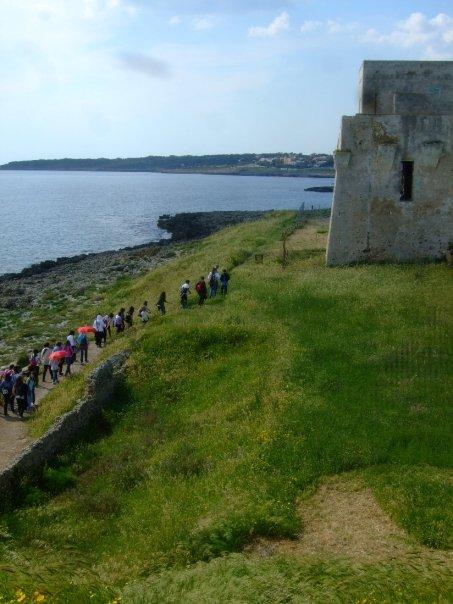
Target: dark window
<point>407,177</point>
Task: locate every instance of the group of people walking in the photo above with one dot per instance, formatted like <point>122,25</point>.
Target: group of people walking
<point>18,385</point>
<point>216,280</point>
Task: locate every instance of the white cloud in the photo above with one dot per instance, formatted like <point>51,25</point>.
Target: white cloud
<point>94,9</point>
<point>338,27</point>
<point>175,20</point>
<point>203,22</point>
<point>279,24</point>
<point>308,26</point>
<point>434,35</point>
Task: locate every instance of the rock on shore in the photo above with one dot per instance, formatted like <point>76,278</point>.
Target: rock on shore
<point>195,225</point>
<point>327,189</point>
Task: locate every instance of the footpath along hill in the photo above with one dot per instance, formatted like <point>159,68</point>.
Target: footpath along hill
<point>291,442</point>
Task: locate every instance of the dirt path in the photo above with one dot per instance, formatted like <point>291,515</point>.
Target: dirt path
<point>13,431</point>
<point>343,520</point>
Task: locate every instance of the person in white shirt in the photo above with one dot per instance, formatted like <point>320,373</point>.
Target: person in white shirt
<point>45,353</point>
<point>184,292</point>
<point>99,327</point>
<point>70,339</point>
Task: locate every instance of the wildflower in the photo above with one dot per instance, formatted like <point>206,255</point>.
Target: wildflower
<point>37,597</point>
<point>20,596</point>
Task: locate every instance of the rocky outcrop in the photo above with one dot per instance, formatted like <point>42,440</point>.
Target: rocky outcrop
<point>66,430</point>
<point>327,189</point>
<point>195,225</point>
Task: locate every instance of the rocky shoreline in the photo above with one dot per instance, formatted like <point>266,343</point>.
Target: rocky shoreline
<point>35,285</point>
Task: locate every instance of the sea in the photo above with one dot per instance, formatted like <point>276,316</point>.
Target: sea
<point>49,214</point>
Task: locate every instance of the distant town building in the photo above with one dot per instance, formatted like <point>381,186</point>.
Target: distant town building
<point>393,197</point>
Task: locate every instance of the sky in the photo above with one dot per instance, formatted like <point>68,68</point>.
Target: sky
<point>129,78</point>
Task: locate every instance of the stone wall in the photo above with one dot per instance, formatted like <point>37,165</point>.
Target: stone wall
<point>66,430</point>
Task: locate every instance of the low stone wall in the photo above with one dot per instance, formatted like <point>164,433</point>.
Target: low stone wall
<point>65,431</point>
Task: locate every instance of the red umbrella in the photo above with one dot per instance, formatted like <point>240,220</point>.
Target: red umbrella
<point>86,329</point>
<point>57,355</point>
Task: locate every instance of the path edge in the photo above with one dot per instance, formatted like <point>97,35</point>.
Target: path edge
<point>66,429</point>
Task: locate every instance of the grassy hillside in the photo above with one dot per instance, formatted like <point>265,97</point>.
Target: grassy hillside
<point>290,443</point>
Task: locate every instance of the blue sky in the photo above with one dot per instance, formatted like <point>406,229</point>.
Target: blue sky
<point>111,78</point>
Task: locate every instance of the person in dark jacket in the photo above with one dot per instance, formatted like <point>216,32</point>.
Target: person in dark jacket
<point>20,391</point>
<point>224,278</point>
<point>6,390</point>
<point>161,303</point>
<point>129,318</point>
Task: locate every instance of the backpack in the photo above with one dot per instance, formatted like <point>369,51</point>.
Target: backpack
<point>199,287</point>
<point>213,280</point>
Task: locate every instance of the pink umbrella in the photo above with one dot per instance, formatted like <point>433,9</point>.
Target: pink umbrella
<point>57,355</point>
<point>86,329</point>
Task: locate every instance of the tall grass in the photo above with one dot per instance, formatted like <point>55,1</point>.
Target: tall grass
<point>230,411</point>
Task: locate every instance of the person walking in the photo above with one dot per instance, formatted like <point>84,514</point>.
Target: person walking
<point>54,369</point>
<point>45,353</point>
<point>202,291</point>
<point>161,303</point>
<point>213,280</point>
<point>129,318</point>
<point>33,365</point>
<point>20,392</point>
<point>98,325</point>
<point>59,346</point>
<point>184,292</point>
<point>108,321</point>
<point>143,313</point>
<point>69,356</point>
<point>119,321</point>
<point>6,389</point>
<point>82,341</point>
<point>70,339</point>
<point>31,397</point>
<point>224,278</point>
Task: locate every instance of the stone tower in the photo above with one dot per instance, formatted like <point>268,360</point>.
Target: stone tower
<point>393,197</point>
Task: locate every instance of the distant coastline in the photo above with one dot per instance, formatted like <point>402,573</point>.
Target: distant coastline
<point>266,164</point>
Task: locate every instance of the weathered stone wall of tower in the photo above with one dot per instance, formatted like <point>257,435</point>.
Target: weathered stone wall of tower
<point>407,116</point>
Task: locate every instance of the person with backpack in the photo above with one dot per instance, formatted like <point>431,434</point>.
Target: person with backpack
<point>202,291</point>
<point>224,278</point>
<point>6,390</point>
<point>213,280</point>
<point>161,303</point>
<point>20,392</point>
<point>184,292</point>
<point>82,341</point>
<point>98,326</point>
<point>45,353</point>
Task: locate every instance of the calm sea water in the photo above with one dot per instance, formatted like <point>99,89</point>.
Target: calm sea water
<point>50,214</point>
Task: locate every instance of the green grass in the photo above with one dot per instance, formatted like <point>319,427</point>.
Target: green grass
<point>229,413</point>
